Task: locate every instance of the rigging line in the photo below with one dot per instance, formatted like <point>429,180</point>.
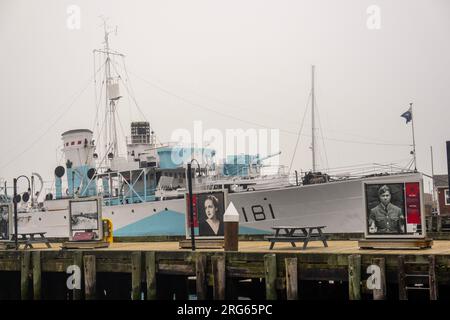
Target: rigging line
<point>131,87</point>
<point>33,143</point>
<point>365,164</point>
<point>95,86</point>
<point>40,125</point>
<point>129,90</point>
<point>98,102</point>
<point>258,124</point>
<point>131,93</point>
<point>321,134</point>
<point>300,131</point>
<point>121,129</point>
<point>213,99</point>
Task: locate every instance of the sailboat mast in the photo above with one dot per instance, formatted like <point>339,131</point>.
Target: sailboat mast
<point>313,126</point>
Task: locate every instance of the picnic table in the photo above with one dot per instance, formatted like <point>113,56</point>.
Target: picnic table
<point>304,234</point>
<point>32,237</point>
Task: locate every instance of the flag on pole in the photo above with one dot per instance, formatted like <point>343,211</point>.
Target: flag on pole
<point>407,115</point>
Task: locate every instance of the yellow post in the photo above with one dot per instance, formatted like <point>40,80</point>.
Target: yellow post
<point>107,230</point>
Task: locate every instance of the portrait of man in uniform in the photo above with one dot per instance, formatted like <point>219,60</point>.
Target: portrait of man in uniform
<point>386,214</point>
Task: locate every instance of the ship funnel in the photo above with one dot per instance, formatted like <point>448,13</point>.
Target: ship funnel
<point>79,153</point>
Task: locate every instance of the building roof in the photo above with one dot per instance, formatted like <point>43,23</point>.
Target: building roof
<point>440,180</point>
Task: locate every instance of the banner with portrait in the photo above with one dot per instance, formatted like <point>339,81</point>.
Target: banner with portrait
<point>208,210</point>
<point>85,216</point>
<point>6,221</point>
<point>394,209</point>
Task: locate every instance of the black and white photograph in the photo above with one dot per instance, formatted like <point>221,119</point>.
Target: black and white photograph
<point>84,215</point>
<point>4,221</point>
<point>210,210</point>
<point>385,209</point>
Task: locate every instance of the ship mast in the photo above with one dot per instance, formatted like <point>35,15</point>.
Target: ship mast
<point>313,126</point>
<point>112,96</point>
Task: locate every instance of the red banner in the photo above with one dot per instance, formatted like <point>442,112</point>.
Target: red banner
<point>194,201</point>
<point>412,202</point>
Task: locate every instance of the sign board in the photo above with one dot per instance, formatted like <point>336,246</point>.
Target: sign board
<point>209,208</point>
<point>85,217</point>
<point>6,221</point>
<point>394,209</point>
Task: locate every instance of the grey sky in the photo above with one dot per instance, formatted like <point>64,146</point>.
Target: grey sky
<point>250,59</point>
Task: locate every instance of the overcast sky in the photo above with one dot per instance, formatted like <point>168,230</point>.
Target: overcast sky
<point>247,59</point>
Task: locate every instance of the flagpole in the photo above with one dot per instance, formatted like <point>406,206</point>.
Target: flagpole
<point>414,140</point>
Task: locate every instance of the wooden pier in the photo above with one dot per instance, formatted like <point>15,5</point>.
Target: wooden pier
<point>160,270</point>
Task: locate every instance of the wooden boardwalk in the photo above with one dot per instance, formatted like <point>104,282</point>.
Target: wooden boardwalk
<point>440,247</point>
<point>158,270</point>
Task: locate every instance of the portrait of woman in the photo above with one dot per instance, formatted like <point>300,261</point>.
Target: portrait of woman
<point>211,216</point>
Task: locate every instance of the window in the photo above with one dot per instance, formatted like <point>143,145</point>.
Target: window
<point>79,142</point>
<point>72,143</point>
<point>447,197</point>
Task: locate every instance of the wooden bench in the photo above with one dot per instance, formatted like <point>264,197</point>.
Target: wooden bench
<point>308,233</point>
<point>29,238</point>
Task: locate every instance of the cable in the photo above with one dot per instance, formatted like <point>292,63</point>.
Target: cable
<point>254,123</point>
<point>321,134</point>
<point>33,143</point>
<point>130,92</point>
<point>299,132</point>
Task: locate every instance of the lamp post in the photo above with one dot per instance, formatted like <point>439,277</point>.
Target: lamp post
<point>15,200</point>
<point>191,205</point>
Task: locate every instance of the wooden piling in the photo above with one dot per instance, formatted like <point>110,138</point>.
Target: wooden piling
<point>25,275</point>
<point>78,261</point>
<point>402,294</point>
<point>270,270</point>
<point>380,294</point>
<point>89,277</point>
<point>291,279</point>
<point>37,275</point>
<point>200,272</point>
<point>136,272</point>
<point>218,271</point>
<point>150,271</point>
<point>354,277</point>
<point>432,277</point>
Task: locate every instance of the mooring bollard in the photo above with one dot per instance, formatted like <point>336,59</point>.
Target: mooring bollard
<point>231,220</point>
